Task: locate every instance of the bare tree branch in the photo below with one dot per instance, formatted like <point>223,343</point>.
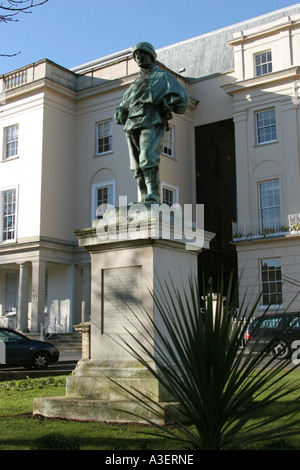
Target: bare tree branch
<point>12,8</point>
<point>10,55</point>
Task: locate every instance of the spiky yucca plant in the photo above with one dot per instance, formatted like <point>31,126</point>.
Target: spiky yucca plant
<point>199,358</point>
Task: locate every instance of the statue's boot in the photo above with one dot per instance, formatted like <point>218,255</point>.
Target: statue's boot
<point>153,186</point>
<point>142,186</point>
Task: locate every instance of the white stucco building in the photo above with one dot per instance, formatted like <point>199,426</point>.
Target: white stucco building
<point>236,150</point>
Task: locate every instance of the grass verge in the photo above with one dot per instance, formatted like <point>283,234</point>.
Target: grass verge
<point>21,431</point>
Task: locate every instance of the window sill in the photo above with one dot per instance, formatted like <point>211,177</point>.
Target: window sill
<point>271,307</point>
<point>103,154</point>
<point>266,143</point>
<point>171,157</point>
<point>9,159</point>
<point>8,241</point>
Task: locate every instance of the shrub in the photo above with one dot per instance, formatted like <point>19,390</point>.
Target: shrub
<point>32,384</point>
<point>198,358</point>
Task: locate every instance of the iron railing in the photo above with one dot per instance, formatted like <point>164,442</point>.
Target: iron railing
<point>255,228</point>
<point>52,326</point>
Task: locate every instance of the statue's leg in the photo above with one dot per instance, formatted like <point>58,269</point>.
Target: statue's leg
<point>133,140</point>
<point>150,151</point>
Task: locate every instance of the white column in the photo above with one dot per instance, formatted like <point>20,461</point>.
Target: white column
<point>2,292</point>
<point>85,293</point>
<point>289,156</point>
<point>23,298</point>
<point>242,166</point>
<point>73,316</point>
<point>38,294</point>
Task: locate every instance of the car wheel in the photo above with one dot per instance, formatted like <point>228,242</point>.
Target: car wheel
<point>281,349</point>
<point>40,361</point>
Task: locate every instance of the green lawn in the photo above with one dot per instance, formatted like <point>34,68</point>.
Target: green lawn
<point>21,431</point>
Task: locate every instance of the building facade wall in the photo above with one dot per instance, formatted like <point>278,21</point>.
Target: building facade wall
<point>58,170</point>
<point>267,158</point>
<point>58,167</point>
<point>250,257</point>
<point>25,165</point>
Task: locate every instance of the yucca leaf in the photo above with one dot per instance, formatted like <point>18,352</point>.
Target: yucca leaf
<point>199,357</point>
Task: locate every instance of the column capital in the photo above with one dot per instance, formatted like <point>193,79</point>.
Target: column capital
<point>23,263</point>
<point>36,262</point>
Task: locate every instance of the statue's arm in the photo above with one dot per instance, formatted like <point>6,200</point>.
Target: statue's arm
<point>177,101</point>
<point>121,115</point>
<point>176,98</point>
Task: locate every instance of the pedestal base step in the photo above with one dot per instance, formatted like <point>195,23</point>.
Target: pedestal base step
<point>82,409</point>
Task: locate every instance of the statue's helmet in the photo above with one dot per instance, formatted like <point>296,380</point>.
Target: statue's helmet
<point>146,47</point>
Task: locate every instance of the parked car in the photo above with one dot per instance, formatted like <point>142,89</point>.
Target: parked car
<point>278,331</point>
<point>19,350</point>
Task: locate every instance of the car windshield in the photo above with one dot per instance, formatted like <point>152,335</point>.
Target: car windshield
<point>295,322</point>
<point>10,337</point>
<point>271,323</point>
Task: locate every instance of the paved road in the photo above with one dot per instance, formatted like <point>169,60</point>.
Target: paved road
<point>66,364</point>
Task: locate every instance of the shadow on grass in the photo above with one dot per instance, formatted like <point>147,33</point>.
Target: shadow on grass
<point>60,434</point>
<point>54,441</point>
<point>276,409</point>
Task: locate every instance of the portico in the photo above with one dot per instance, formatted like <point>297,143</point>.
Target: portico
<point>45,288</point>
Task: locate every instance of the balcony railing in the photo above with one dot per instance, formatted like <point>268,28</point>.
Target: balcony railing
<point>15,79</point>
<point>43,69</point>
<point>261,229</point>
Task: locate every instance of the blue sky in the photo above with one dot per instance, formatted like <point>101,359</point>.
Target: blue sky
<point>73,32</point>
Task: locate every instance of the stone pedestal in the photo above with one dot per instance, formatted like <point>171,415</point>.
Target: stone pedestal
<point>125,272</point>
<point>85,329</point>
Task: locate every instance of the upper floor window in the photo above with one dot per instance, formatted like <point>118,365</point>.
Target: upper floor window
<point>169,195</point>
<point>266,126</point>
<point>168,144</point>
<point>263,63</point>
<point>271,282</point>
<point>103,195</point>
<point>11,141</point>
<point>104,137</point>
<point>269,205</point>
<point>8,201</point>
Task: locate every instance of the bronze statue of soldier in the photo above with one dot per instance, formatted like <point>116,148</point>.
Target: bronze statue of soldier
<point>144,111</point>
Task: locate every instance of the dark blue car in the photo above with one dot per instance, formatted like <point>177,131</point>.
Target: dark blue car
<point>277,331</point>
<point>19,350</point>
